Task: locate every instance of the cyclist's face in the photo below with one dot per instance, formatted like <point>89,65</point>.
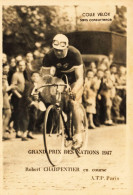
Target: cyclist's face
<point>60,53</point>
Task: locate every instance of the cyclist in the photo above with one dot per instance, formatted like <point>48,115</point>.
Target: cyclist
<point>67,60</point>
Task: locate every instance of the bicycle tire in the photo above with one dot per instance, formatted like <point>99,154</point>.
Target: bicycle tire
<point>80,152</point>
<point>53,135</point>
<point>69,132</point>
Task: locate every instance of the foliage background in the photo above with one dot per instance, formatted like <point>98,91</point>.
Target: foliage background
<point>31,28</point>
<point>26,28</point>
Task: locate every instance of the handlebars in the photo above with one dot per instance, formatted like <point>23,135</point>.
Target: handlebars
<point>69,92</point>
<point>53,85</point>
<point>66,85</point>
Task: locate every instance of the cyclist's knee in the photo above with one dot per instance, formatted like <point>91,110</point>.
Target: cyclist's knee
<point>76,108</point>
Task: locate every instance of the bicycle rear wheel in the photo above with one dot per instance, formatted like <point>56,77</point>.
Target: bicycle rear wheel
<point>53,135</point>
<point>69,131</point>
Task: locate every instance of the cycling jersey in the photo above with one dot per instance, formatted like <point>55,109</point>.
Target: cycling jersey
<point>64,65</point>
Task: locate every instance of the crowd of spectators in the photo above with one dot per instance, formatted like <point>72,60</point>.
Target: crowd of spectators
<point>104,95</point>
<point>17,71</point>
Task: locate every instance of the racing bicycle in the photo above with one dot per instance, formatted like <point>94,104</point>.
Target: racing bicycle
<point>58,129</point>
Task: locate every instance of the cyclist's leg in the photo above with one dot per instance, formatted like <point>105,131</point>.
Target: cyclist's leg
<point>78,95</point>
<point>78,123</point>
<point>77,111</point>
<point>78,115</point>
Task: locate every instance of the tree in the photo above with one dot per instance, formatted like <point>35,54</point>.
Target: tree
<point>24,26</point>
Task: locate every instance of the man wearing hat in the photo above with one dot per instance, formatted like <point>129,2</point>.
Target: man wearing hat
<point>67,60</point>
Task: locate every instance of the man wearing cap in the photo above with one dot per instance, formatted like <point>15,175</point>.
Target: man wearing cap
<point>67,60</point>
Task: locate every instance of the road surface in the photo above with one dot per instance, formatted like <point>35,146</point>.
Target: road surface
<point>103,168</point>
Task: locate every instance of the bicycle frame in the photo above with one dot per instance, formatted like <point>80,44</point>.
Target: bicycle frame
<point>68,130</point>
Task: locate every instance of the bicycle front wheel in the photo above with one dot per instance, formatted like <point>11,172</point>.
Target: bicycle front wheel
<point>53,135</point>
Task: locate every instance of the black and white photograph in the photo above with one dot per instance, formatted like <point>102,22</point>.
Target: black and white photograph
<point>65,123</point>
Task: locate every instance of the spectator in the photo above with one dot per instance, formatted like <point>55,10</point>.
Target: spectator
<point>103,64</point>
<point>121,78</point>
<point>12,62</point>
<point>107,61</point>
<point>105,92</point>
<point>18,80</point>
<point>110,59</point>
<point>6,102</point>
<point>119,103</point>
<point>89,97</point>
<point>30,67</point>
<point>29,107</point>
<point>93,67</point>
<point>4,58</point>
<point>113,71</point>
<point>38,60</point>
<point>29,60</point>
<point>97,116</point>
<point>18,59</point>
<point>12,69</point>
